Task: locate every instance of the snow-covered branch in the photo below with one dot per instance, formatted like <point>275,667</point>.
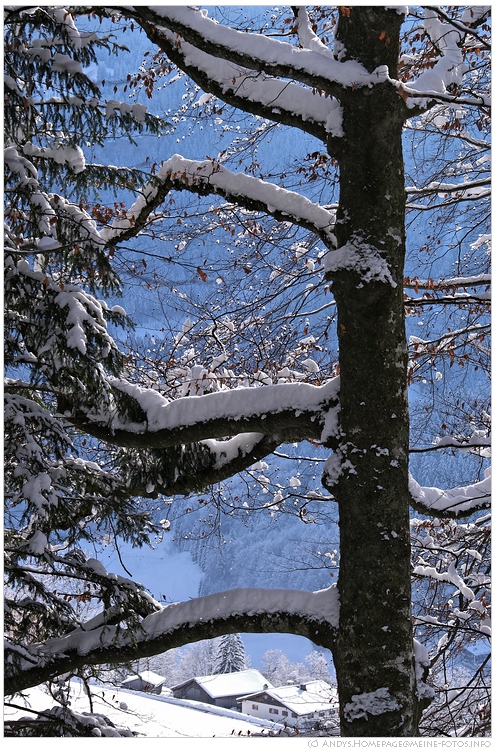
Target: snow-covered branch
<point>258,52</point>
<point>193,467</point>
<point>307,37</point>
<point>292,409</point>
<point>209,177</point>
<point>467,190</point>
<point>432,286</point>
<point>313,615</point>
<point>453,503</point>
<point>458,299</point>
<point>462,282</point>
<point>275,99</point>
<point>472,17</point>
<point>450,341</point>
<point>444,80</point>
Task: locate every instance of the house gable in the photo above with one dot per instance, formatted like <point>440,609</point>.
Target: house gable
<point>222,689</point>
<point>264,698</point>
<point>292,703</point>
<point>146,682</point>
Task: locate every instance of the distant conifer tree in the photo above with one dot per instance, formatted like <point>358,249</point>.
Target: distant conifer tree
<point>231,656</point>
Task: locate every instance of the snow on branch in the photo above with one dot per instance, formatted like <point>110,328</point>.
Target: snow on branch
<point>73,156</point>
<point>258,52</point>
<point>468,190</point>
<point>456,502</point>
<point>311,614</point>
<point>307,37</point>
<point>472,17</point>
<point>209,177</point>
<point>450,341</point>
<point>443,81</point>
<point>266,409</point>
<point>452,283</point>
<point>235,404</point>
<point>195,466</point>
<point>266,96</point>
<point>452,299</point>
<point>477,604</point>
<point>451,286</point>
<point>240,446</point>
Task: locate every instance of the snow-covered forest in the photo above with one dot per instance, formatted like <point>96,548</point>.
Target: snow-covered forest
<point>247,304</point>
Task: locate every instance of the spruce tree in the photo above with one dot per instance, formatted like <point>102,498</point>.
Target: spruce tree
<point>231,656</point>
<point>58,348</point>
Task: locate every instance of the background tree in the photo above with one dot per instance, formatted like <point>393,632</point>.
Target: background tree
<point>231,655</point>
<point>342,79</point>
<point>57,344</point>
<point>277,668</point>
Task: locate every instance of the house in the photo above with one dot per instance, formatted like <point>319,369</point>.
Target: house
<point>474,656</point>
<point>148,682</point>
<point>294,705</point>
<point>222,689</point>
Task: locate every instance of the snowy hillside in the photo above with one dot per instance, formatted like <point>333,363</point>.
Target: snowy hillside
<point>152,715</point>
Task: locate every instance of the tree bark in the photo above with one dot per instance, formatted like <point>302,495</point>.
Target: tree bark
<point>369,476</point>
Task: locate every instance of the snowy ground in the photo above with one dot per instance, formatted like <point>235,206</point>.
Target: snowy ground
<point>154,716</point>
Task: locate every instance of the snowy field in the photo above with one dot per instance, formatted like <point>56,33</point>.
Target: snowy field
<point>148,716</point>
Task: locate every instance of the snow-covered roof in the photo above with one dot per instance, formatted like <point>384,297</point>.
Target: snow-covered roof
<point>231,683</point>
<point>316,695</point>
<point>152,678</point>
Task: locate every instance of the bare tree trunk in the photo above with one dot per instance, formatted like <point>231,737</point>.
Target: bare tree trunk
<point>374,653</point>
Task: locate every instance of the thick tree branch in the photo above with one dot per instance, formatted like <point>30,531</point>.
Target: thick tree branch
<point>459,502</point>
<point>294,426</point>
<point>297,411</point>
<point>312,615</point>
<point>195,467</point>
<point>210,178</point>
<point>257,52</point>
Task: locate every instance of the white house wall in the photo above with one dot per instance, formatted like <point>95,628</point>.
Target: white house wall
<point>265,711</point>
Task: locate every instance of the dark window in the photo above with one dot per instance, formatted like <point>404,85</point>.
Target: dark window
<point>273,710</point>
<point>255,706</point>
<point>285,713</point>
